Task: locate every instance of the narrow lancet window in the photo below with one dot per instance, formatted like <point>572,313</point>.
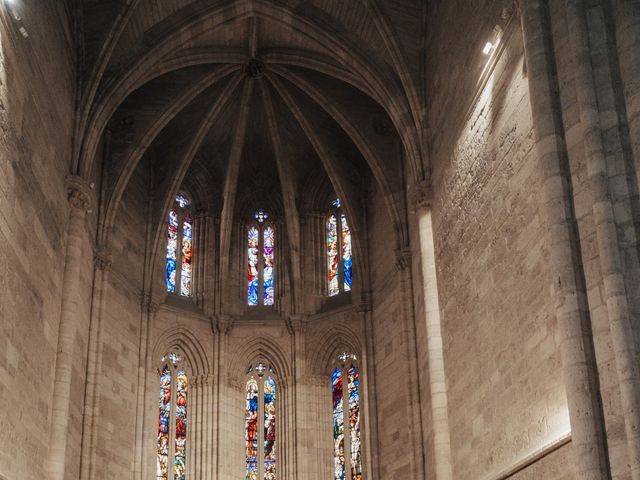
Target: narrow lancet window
<point>338,251</point>
<point>179,250</point>
<point>171,445</point>
<point>261,251</point>
<point>260,423</point>
<point>347,448</point>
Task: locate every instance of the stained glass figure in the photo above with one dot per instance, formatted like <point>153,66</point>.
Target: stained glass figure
<point>180,454</point>
<point>338,425</point>
<point>251,430</point>
<point>338,251</point>
<point>269,256</point>
<point>347,454</point>
<point>187,241</point>
<point>347,260</point>
<point>252,265</point>
<point>179,253</point>
<point>171,446</point>
<point>332,255</point>
<point>172,250</point>
<point>260,424</point>
<point>164,422</point>
<point>354,423</point>
<point>261,248</point>
<point>269,429</point>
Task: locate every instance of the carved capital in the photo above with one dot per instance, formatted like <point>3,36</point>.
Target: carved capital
<point>403,259</point>
<point>421,195</point>
<point>78,192</point>
<point>295,324</point>
<point>103,259</point>
<point>222,323</point>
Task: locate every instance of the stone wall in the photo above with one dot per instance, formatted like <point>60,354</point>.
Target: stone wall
<point>36,120</point>
<point>505,388</point>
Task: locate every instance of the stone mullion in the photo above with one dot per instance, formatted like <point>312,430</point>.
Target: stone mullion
<point>79,201</point>
<point>102,261</point>
<point>576,348</point>
<point>200,236</point>
<point>610,256</point>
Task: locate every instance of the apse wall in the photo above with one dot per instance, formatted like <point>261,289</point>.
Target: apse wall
<point>506,394</point>
<point>36,117</point>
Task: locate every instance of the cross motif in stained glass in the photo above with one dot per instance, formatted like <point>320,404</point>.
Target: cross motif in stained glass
<point>182,201</point>
<point>261,216</point>
<point>336,203</point>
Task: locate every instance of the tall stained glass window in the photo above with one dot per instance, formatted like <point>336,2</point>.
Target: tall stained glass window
<point>179,252</point>
<point>261,261</point>
<point>260,423</point>
<point>171,445</point>
<point>338,249</point>
<point>347,449</point>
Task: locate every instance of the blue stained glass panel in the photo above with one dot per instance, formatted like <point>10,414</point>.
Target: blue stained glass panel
<point>251,430</point>
<point>172,251</point>
<point>347,257</point>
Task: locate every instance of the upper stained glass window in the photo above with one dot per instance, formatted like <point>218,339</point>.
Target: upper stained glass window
<point>261,246</point>
<point>179,253</point>
<point>345,389</point>
<point>171,444</point>
<point>260,424</point>
<point>338,251</point>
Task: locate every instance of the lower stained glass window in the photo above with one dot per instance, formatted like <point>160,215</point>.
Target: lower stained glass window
<point>260,424</point>
<point>171,462</point>
<point>347,448</point>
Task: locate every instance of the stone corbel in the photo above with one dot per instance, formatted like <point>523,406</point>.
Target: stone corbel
<point>79,193</point>
<point>103,259</point>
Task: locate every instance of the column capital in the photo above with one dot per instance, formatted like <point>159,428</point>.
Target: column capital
<point>403,259</point>
<point>103,258</point>
<point>421,195</point>
<point>79,192</point>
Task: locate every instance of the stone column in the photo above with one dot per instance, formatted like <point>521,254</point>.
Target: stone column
<point>435,352</point>
<point>79,202</point>
<point>414,414</point>
<point>610,257</point>
<point>295,326</point>
<point>102,266</point>
<point>574,332</point>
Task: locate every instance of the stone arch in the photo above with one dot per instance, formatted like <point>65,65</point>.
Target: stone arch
<point>181,339</point>
<point>263,348</point>
<point>335,339</point>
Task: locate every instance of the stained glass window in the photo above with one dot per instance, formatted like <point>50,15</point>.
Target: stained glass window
<point>338,251</point>
<point>347,451</point>
<point>171,445</point>
<point>179,253</point>
<point>260,424</point>
<point>261,261</point>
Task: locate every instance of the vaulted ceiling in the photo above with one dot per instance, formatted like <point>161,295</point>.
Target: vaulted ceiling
<point>254,103</point>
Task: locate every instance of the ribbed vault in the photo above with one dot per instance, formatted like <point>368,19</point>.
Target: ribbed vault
<point>252,104</point>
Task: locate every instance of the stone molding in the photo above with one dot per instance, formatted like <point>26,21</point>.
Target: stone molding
<point>103,259</point>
